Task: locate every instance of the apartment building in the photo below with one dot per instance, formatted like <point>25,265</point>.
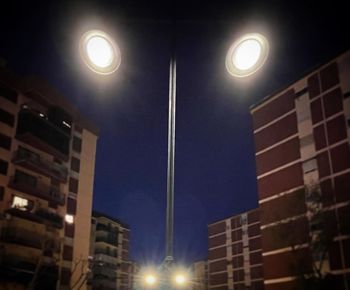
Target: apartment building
<point>302,154</point>
<point>200,278</point>
<point>47,160</point>
<point>109,247</point>
<point>234,258</point>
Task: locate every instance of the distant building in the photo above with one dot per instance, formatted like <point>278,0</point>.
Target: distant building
<point>235,261</point>
<point>47,161</point>
<point>109,247</point>
<point>200,275</point>
<point>302,154</point>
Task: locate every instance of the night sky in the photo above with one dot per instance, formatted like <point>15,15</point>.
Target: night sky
<point>215,166</point>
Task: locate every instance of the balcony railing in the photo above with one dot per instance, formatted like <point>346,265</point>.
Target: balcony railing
<point>111,240</point>
<point>28,238</point>
<point>51,218</point>
<point>22,237</point>
<point>19,269</point>
<point>41,190</point>
<point>33,161</point>
<point>40,215</point>
<point>104,284</point>
<point>39,132</point>
<point>101,256</point>
<point>104,270</point>
<point>106,228</point>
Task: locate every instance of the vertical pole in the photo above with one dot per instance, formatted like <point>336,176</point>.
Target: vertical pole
<point>171,161</point>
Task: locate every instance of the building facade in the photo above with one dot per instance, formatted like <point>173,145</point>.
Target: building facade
<point>200,278</point>
<point>234,258</point>
<point>302,154</point>
<point>47,160</point>
<point>109,247</point>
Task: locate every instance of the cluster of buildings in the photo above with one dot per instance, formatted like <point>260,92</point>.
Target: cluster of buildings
<point>299,236</point>
<point>49,237</point>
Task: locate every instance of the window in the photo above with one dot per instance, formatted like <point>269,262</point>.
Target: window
<point>69,219</point>
<point>3,167</point>
<point>7,118</point>
<point>5,141</point>
<point>71,206</point>
<point>73,185</point>
<point>76,144</point>
<point>75,164</point>
<point>8,93</point>
<point>2,192</point>
<point>21,203</point>
<point>22,177</point>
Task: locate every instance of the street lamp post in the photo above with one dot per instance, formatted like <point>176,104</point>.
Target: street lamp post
<point>102,55</point>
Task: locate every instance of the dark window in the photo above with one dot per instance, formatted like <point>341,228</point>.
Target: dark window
<point>8,93</point>
<point>75,164</point>
<point>31,124</point>
<point>2,192</point>
<point>3,167</point>
<point>76,144</point>
<point>7,118</point>
<point>5,141</point>
<point>329,76</point>
<point>67,253</point>
<point>69,230</point>
<point>54,182</point>
<point>71,206</point>
<point>313,85</point>
<point>73,185</point>
<point>65,276</point>
<point>22,177</point>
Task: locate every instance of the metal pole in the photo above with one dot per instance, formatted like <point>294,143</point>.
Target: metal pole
<point>171,161</point>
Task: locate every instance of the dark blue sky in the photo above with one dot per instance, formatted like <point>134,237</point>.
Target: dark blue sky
<point>215,165</point>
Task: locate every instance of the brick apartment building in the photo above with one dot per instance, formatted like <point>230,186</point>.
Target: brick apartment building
<point>302,136</point>
<point>109,245</point>
<point>47,160</point>
<point>234,258</point>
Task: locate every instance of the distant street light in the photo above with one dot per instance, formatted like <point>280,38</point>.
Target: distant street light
<point>99,52</point>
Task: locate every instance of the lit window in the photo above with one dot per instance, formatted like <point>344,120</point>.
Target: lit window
<point>69,219</point>
<point>20,203</point>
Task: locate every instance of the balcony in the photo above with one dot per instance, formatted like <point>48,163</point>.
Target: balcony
<point>104,284</point>
<point>38,189</point>
<point>50,218</point>
<point>21,236</point>
<point>34,129</point>
<point>109,239</point>
<point>31,239</point>
<point>101,256</point>
<point>106,228</point>
<point>33,161</point>
<point>104,270</point>
<point>41,216</point>
<point>21,269</point>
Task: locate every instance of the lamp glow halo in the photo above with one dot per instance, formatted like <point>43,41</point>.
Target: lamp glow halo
<point>99,52</point>
<point>247,55</point>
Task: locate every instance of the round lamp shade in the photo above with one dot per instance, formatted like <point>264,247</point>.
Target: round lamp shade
<point>99,52</point>
<point>247,55</point>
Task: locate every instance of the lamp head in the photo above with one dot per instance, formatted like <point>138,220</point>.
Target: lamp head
<point>247,54</point>
<point>99,52</point>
